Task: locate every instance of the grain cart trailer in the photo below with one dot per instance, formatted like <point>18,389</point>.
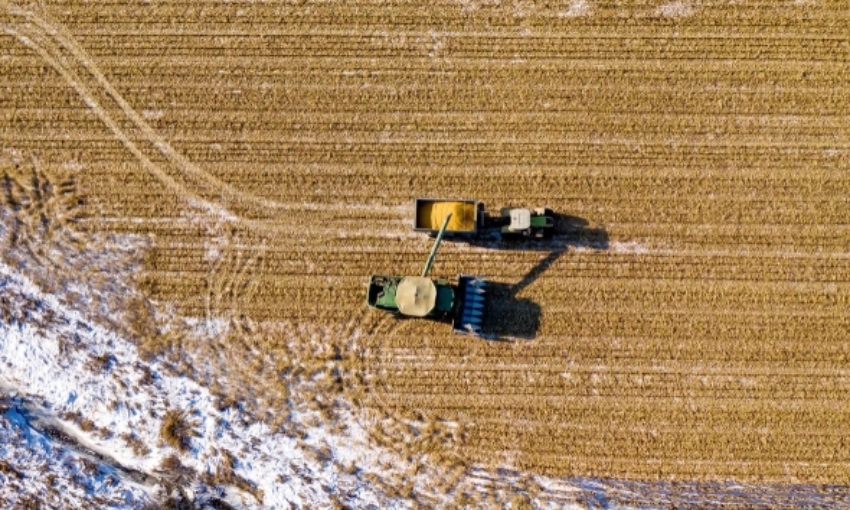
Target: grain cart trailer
<point>469,219</point>
<point>429,213</point>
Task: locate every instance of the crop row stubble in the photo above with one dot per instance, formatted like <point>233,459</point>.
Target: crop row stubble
<point>707,341</point>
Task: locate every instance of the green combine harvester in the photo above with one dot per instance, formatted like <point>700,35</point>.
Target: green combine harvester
<point>421,296</point>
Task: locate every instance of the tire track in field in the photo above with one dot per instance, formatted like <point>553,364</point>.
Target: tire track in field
<point>227,280</point>
<point>41,207</point>
<point>57,47</point>
<point>49,45</point>
<point>637,302</point>
<point>39,44</point>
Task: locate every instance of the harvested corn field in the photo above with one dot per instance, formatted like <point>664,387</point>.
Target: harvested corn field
<point>688,321</point>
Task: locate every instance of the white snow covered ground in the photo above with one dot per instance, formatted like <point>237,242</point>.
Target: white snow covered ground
<point>53,355</point>
<point>37,471</point>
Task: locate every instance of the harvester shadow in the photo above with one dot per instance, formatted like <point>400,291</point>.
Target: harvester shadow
<point>509,318</point>
<point>568,232</point>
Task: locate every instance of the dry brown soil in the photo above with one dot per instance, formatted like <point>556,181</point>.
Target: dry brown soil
<point>694,325</point>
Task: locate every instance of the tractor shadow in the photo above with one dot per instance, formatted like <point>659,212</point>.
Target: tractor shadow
<point>508,318</point>
<point>577,232</point>
<point>569,232</point>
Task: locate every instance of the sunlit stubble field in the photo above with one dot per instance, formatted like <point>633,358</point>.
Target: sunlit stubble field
<point>690,320</point>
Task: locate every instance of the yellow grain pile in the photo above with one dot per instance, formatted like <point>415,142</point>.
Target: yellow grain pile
<point>433,214</point>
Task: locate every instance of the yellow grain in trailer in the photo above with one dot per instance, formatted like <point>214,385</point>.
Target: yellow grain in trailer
<point>430,213</point>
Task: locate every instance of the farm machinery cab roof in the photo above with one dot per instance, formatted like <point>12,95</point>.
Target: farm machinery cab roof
<point>527,222</point>
<point>420,296</point>
<point>520,219</point>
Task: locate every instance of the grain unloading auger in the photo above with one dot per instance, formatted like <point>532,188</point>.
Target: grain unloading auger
<point>421,296</point>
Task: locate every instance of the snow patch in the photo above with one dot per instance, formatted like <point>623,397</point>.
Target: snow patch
<point>49,352</point>
<point>629,247</point>
<point>36,472</point>
<point>577,8</point>
<point>152,114</point>
<point>676,10</point>
<point>73,165</point>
